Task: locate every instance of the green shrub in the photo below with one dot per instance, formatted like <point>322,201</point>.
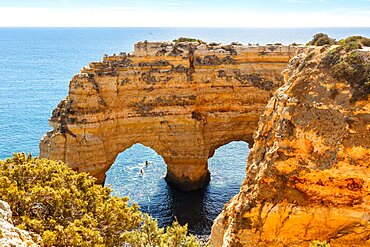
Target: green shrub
<point>351,66</point>
<point>214,44</point>
<point>356,39</point>
<point>350,46</point>
<point>321,39</point>
<point>332,57</point>
<point>365,42</point>
<point>149,232</point>
<point>236,43</point>
<point>68,209</point>
<point>184,39</point>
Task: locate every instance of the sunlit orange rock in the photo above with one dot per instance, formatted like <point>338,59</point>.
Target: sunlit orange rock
<point>308,173</point>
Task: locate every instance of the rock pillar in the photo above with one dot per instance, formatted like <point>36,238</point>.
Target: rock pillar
<point>188,174</point>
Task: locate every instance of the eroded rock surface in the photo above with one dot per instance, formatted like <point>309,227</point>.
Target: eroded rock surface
<point>308,173</point>
<point>11,236</point>
<point>183,100</point>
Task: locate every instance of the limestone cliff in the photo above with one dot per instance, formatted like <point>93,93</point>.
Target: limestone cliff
<point>184,100</point>
<point>10,235</point>
<point>308,173</point>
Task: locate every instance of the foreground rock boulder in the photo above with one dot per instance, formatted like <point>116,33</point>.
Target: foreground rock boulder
<point>11,236</point>
<point>184,100</point>
<point>308,173</point>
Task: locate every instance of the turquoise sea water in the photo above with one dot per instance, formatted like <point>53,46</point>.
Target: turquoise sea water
<point>36,65</point>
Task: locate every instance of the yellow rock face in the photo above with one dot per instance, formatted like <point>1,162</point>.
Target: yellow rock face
<point>308,172</point>
<point>183,100</point>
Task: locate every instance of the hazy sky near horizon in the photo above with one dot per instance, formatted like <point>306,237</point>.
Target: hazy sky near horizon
<point>185,13</point>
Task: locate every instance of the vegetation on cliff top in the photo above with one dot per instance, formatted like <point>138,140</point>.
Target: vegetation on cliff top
<point>345,63</point>
<point>350,43</point>
<point>320,39</point>
<point>351,66</point>
<point>68,209</point>
<point>184,39</point>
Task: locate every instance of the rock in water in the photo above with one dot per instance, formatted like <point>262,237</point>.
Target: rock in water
<point>10,235</point>
<point>308,173</point>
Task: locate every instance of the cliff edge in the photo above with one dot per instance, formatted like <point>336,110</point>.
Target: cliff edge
<point>308,175</point>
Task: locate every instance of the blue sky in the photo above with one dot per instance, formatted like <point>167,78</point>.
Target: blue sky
<point>261,5</point>
<point>203,13</point>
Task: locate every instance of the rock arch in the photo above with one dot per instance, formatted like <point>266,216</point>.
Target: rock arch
<point>150,97</point>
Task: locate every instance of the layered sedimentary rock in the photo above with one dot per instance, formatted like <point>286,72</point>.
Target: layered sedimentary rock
<point>183,100</point>
<point>308,173</point>
<point>10,235</point>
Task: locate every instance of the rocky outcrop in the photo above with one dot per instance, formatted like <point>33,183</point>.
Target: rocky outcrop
<point>184,100</point>
<point>10,235</point>
<point>308,173</point>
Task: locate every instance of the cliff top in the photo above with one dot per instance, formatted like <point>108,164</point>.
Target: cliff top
<point>161,54</point>
<point>174,48</point>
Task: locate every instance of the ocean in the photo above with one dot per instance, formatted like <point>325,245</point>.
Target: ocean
<point>36,65</point>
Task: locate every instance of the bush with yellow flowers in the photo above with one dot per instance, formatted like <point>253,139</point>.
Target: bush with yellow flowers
<point>67,208</point>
